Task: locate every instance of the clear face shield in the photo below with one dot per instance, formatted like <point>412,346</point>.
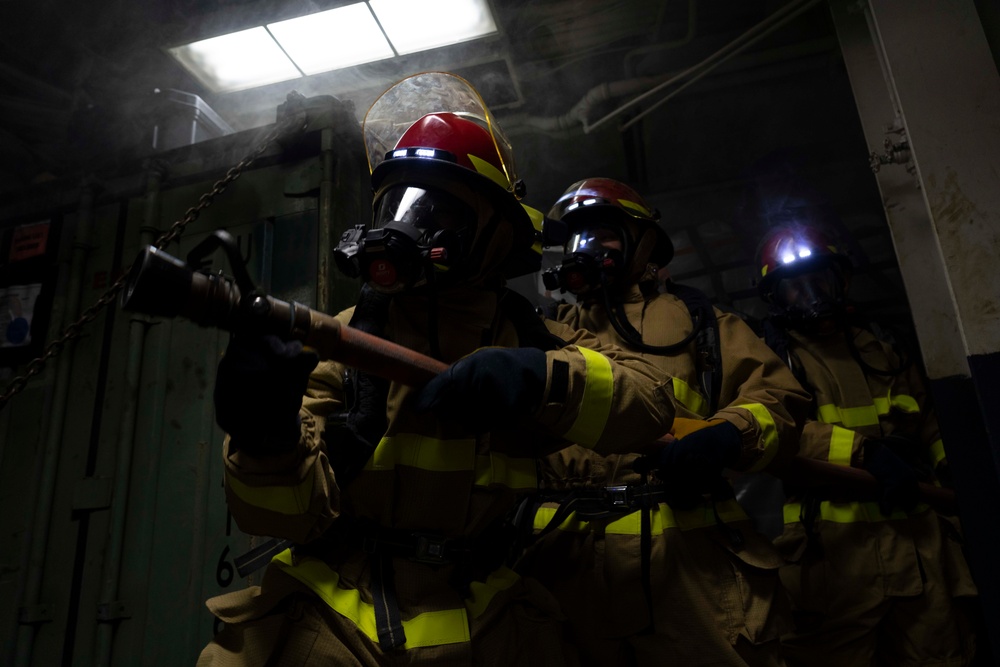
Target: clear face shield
<point>430,92</point>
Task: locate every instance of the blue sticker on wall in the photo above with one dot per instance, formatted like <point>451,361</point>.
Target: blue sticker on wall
<point>17,308</point>
<point>17,330</point>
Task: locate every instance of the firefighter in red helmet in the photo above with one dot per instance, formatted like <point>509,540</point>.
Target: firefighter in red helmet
<point>870,582</point>
<point>805,278</point>
<point>651,556</point>
<point>393,504</point>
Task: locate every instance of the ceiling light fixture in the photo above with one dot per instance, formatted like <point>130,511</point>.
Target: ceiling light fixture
<point>418,25</point>
<point>350,35</point>
<point>332,39</point>
<point>237,61</point>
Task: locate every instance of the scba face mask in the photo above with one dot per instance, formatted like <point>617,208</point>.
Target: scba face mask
<point>594,257</point>
<point>813,295</point>
<point>418,235</point>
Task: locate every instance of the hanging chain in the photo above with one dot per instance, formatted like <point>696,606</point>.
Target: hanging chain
<point>291,122</point>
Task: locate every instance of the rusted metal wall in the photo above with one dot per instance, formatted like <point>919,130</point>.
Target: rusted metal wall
<point>138,394</point>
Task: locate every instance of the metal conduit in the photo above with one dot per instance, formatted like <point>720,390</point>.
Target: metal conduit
<point>325,223</point>
<point>110,610</point>
<point>46,485</point>
<point>153,398</point>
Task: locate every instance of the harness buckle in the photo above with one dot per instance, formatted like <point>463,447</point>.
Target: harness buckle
<point>618,497</point>
<point>429,549</point>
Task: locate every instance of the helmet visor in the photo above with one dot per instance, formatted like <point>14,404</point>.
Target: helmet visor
<point>594,239</point>
<point>427,210</point>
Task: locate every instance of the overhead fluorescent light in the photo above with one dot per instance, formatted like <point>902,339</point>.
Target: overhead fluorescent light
<point>332,39</point>
<point>348,35</point>
<point>418,25</point>
<point>236,61</point>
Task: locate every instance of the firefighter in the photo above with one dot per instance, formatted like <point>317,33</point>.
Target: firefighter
<point>650,555</point>
<point>880,582</point>
<point>396,499</point>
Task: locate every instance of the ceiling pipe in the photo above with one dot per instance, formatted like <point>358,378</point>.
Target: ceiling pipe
<point>731,50</point>
<point>649,86</point>
<point>577,116</point>
<point>688,37</point>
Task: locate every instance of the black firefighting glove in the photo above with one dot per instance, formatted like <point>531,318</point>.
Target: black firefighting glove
<point>692,466</point>
<point>897,480</point>
<point>487,389</point>
<point>912,453</point>
<point>258,392</point>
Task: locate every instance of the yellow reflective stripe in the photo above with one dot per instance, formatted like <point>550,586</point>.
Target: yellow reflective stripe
<point>841,446</point>
<point>489,171</point>
<point>768,432</point>
<point>866,415</point>
<point>903,403</point>
<point>482,593</point>
<point>572,524</point>
<point>537,220</point>
<point>792,512</point>
<point>499,469</point>
<point>596,404</point>
<point>853,512</point>
<point>661,519</point>
<point>689,398</point>
<point>280,499</point>
<point>936,453</point>
<point>537,217</point>
<point>426,453</point>
<point>636,206</point>
<point>431,628</point>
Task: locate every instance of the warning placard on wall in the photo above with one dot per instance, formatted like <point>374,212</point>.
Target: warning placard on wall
<point>28,241</point>
<point>17,306</point>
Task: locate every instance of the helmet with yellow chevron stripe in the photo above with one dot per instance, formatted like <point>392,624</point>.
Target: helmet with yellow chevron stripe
<point>593,211</point>
<point>443,175</point>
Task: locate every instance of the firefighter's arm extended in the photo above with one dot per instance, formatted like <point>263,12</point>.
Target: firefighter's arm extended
<point>603,397</point>
<point>586,393</point>
<point>759,396</point>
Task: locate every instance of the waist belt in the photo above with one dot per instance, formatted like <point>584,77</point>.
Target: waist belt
<point>382,545</point>
<point>375,540</point>
<point>596,503</point>
<point>417,547</point>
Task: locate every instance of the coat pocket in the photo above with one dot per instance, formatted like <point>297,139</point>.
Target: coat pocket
<point>758,606</point>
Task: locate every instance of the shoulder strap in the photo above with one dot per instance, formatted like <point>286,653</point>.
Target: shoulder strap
<point>707,343</point>
<point>779,341</point>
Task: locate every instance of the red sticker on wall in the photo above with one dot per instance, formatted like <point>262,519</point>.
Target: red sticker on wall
<point>29,241</point>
